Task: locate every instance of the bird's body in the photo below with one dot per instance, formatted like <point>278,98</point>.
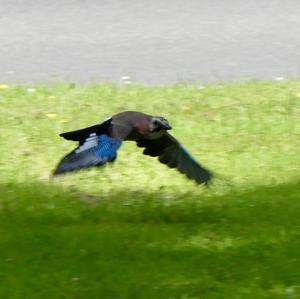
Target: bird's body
<point>99,144</point>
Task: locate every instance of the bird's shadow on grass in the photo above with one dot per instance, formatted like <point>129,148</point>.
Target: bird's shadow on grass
<point>183,245</point>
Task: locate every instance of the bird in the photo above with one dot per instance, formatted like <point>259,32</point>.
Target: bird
<point>98,144</point>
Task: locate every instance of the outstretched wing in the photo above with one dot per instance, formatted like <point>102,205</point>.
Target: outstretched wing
<point>95,150</point>
<point>170,152</point>
<point>98,144</point>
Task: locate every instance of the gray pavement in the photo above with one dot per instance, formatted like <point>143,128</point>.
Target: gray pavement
<point>156,41</point>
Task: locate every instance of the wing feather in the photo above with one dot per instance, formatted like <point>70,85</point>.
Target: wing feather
<point>170,152</point>
<point>93,151</point>
<point>98,144</point>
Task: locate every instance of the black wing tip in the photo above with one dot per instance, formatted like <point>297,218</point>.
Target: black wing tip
<point>207,181</point>
<point>62,134</point>
<point>204,178</point>
<point>62,168</point>
<point>58,172</point>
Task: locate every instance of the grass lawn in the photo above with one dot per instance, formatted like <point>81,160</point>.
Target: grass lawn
<point>136,229</point>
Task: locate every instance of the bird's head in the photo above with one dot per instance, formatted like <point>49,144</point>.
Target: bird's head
<point>158,123</point>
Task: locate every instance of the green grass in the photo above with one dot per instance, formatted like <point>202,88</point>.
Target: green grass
<point>136,229</point>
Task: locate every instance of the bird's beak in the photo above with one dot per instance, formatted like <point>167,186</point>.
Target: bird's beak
<point>167,127</point>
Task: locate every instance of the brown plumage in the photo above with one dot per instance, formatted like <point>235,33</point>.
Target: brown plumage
<point>98,144</point>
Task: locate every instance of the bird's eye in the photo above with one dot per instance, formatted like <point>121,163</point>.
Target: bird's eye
<point>155,123</point>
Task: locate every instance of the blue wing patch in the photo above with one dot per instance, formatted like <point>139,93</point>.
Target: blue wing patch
<point>94,151</point>
<point>107,147</point>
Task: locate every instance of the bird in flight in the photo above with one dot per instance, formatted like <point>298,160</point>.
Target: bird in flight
<point>99,144</point>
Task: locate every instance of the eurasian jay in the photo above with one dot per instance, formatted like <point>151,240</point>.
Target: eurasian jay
<point>99,144</point>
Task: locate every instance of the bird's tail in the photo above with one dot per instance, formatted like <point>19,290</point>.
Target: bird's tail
<point>82,134</point>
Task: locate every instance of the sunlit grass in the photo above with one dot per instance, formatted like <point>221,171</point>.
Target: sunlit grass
<point>136,229</point>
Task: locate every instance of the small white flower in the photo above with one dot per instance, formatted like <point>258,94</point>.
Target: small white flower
<point>279,78</point>
<point>31,89</point>
<point>125,78</point>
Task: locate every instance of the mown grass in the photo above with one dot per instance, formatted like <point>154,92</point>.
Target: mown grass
<point>137,229</point>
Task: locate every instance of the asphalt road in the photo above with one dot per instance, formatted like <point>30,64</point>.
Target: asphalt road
<point>157,41</point>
